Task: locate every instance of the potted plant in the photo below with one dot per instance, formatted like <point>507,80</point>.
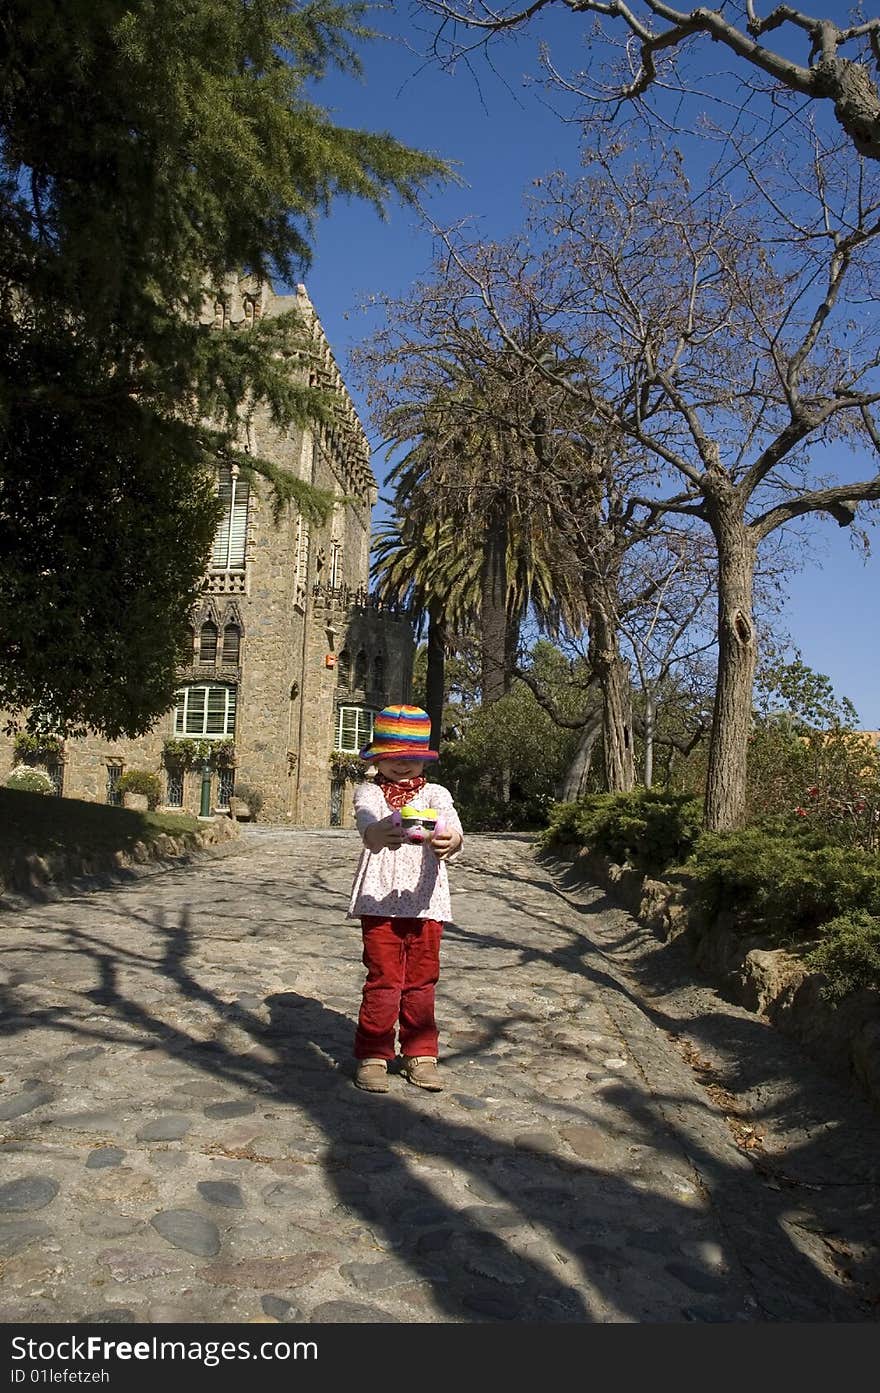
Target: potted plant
<point>141,784</point>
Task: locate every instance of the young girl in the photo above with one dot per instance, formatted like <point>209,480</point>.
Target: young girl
<point>401,896</point>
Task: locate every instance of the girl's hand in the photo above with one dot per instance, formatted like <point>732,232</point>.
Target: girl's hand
<point>444,842</point>
<point>387,833</point>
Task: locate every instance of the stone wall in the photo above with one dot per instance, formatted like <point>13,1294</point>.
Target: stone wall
<point>772,982</point>
<point>31,876</point>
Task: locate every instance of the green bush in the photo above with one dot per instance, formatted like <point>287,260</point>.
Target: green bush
<point>512,743</point>
<point>250,795</point>
<point>781,879</point>
<point>849,954</point>
<point>30,780</point>
<point>141,781</point>
<point>829,778</point>
<point>575,822</point>
<point>29,747</point>
<point>649,828</point>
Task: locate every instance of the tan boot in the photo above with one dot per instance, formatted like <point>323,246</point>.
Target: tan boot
<point>372,1074</point>
<point>422,1071</point>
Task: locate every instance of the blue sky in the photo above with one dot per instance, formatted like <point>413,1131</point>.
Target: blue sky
<point>501,133</point>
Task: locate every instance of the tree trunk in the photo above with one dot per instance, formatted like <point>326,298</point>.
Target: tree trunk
<point>493,610</point>
<point>511,649</point>
<point>435,676</point>
<point>732,714</point>
<point>650,718</point>
<point>574,783</point>
<point>612,674</point>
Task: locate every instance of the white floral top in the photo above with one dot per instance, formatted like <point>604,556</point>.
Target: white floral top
<point>409,883</point>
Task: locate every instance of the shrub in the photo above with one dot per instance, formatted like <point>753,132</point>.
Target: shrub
<point>849,954</point>
<point>482,812</point>
<point>561,825</point>
<point>29,747</point>
<point>649,828</point>
<point>830,778</point>
<point>782,878</point>
<point>576,822</point>
<point>250,795</point>
<point>30,780</point>
<point>141,781</point>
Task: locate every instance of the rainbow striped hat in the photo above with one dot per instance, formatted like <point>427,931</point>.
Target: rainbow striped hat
<point>401,732</point>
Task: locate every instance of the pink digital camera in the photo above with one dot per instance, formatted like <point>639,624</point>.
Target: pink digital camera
<point>419,824</point>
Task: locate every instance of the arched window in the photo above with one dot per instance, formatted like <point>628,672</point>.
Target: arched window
<point>208,643</point>
<point>379,673</point>
<point>343,669</point>
<point>205,709</point>
<point>360,670</point>
<point>231,643</point>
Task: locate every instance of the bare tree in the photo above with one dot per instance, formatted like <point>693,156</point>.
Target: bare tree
<point>669,629</point>
<point>834,68</point>
<point>723,340</point>
<point>559,490</point>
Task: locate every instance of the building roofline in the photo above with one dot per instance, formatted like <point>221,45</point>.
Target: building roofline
<point>332,377</point>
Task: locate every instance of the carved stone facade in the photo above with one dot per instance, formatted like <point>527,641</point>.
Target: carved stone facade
<point>290,655</point>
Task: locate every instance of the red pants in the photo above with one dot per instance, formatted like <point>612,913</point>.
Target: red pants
<point>402,958</point>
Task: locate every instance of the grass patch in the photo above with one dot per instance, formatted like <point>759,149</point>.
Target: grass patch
<point>33,822</point>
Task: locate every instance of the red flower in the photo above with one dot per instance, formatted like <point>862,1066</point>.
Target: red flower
<point>813,792</point>
<point>801,812</point>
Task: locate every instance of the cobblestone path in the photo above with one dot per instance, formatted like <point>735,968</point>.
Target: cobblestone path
<point>182,1141</point>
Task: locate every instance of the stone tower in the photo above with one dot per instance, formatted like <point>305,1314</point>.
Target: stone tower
<point>290,655</point>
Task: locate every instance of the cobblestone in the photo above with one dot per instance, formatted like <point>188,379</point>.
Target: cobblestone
<point>181,1140</point>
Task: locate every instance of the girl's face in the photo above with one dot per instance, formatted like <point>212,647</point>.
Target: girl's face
<point>398,769</point>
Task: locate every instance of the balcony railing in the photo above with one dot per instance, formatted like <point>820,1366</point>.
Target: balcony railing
<point>350,597</point>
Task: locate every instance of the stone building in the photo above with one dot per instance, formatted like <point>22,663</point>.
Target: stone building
<point>290,655</point>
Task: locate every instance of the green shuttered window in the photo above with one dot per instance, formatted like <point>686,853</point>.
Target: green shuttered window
<point>354,728</point>
<point>203,710</point>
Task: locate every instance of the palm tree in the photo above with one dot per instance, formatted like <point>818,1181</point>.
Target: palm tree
<point>475,467</point>
<point>425,570</point>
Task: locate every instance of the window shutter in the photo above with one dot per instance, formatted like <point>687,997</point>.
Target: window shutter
<point>231,643</point>
<point>208,643</point>
<point>303,540</point>
<point>238,525</point>
<point>220,553</point>
<point>195,710</point>
<point>354,728</point>
<point>347,729</point>
<point>231,537</point>
<point>365,728</point>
